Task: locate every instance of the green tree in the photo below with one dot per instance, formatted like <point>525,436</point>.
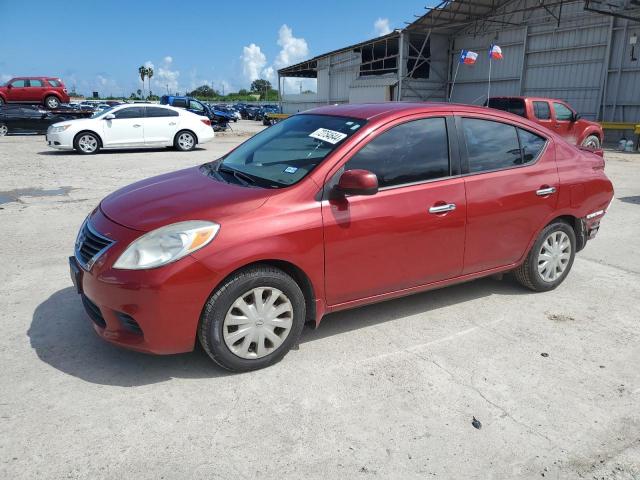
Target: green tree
<point>142,71</point>
<point>204,91</point>
<point>149,75</point>
<point>260,85</point>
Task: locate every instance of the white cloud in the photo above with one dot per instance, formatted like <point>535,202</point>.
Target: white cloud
<point>292,50</point>
<point>381,27</point>
<point>253,62</point>
<point>4,77</point>
<point>167,77</point>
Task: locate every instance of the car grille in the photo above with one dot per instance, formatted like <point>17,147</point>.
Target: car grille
<point>90,245</point>
<point>94,312</point>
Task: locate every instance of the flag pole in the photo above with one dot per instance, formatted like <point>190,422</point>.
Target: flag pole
<point>455,75</point>
<point>489,85</point>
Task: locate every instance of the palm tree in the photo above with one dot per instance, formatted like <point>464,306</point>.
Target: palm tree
<point>143,73</point>
<point>149,75</point>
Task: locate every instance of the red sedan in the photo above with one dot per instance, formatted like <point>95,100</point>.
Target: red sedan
<point>334,208</point>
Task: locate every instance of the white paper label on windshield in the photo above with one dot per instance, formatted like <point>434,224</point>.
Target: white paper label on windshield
<point>329,136</point>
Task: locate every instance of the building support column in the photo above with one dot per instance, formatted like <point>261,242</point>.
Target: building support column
<point>401,62</point>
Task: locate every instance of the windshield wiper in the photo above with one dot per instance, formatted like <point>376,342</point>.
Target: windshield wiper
<point>241,177</point>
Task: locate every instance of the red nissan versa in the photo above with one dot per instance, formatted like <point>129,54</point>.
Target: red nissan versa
<point>331,209</point>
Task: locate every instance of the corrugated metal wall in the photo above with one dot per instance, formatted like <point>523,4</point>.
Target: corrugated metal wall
<point>435,87</point>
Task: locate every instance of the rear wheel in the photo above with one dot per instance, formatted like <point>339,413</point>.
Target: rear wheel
<point>86,143</point>
<point>253,319</point>
<point>592,141</point>
<point>550,258</point>
<point>51,102</point>
<point>184,141</point>
<point>3,129</point>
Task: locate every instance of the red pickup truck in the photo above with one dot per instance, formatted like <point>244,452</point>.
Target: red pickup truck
<point>556,115</point>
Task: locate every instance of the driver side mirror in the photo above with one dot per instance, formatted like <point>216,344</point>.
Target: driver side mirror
<point>109,116</point>
<point>575,117</point>
<point>357,182</point>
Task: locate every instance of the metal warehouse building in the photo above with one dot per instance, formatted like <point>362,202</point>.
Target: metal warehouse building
<point>584,52</point>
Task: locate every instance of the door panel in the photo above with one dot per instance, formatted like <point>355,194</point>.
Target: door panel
<point>562,121</point>
<point>503,209</point>
<point>127,129</point>
<point>160,125</point>
<point>17,92</point>
<point>391,241</point>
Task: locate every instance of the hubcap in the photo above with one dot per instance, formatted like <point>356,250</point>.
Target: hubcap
<point>88,143</point>
<point>52,103</point>
<point>185,141</point>
<point>258,322</point>
<point>554,256</point>
<point>3,130</point>
<point>592,144</point>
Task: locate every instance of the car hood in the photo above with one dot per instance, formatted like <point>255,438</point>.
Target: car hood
<point>179,196</point>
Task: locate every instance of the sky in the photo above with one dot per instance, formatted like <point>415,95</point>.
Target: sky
<point>99,45</point>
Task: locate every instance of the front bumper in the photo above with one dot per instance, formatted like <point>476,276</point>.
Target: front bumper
<point>55,140</point>
<point>154,311</point>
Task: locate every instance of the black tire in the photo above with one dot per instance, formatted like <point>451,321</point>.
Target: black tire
<point>592,141</point>
<point>210,330</point>
<point>4,129</point>
<point>2,102</point>
<point>528,275</point>
<point>52,102</point>
<point>181,143</point>
<point>83,150</point>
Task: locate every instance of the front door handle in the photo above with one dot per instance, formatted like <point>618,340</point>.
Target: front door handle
<point>137,125</point>
<point>545,191</point>
<point>444,208</point>
<point>172,123</point>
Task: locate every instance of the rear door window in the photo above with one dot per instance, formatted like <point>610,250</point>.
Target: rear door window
<point>541,110</point>
<point>35,83</point>
<point>490,145</point>
<point>412,152</point>
<point>531,145</point>
<point>562,112</point>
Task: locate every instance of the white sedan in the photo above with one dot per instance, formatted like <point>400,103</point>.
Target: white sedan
<point>129,126</point>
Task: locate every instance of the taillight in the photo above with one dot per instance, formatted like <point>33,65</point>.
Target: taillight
<point>206,121</point>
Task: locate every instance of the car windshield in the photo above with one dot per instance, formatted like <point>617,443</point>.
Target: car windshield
<point>99,113</point>
<point>285,153</point>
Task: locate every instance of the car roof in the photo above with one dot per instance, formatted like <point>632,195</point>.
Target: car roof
<point>368,111</point>
<point>147,104</point>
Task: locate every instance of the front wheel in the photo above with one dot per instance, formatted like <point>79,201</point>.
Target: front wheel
<point>52,102</point>
<point>3,129</point>
<point>592,141</point>
<point>184,141</point>
<point>2,102</point>
<point>550,259</point>
<point>253,319</point>
<point>86,143</point>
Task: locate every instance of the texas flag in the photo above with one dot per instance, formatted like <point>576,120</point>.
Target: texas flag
<point>468,57</point>
<point>495,52</point>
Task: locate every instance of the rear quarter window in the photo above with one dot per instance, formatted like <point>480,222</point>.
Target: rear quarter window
<point>54,83</point>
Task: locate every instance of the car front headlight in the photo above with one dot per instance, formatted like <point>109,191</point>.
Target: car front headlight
<point>167,244</point>
<point>59,128</point>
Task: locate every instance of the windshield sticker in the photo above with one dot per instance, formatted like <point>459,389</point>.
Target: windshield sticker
<point>290,170</point>
<point>355,127</point>
<point>329,136</point>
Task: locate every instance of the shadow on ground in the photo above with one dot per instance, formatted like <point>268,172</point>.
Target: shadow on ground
<point>66,153</point>
<point>62,335</point>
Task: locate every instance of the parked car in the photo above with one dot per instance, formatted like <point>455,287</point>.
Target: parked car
<point>27,119</point>
<point>128,126</point>
<point>49,91</point>
<point>219,120</point>
<point>555,115</point>
<point>330,209</point>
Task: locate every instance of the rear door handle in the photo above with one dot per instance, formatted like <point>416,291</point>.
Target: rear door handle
<point>543,192</point>
<point>172,123</point>
<point>447,207</point>
<point>137,125</point>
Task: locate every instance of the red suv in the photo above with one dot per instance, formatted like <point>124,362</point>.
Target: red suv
<point>334,208</point>
<point>49,91</point>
